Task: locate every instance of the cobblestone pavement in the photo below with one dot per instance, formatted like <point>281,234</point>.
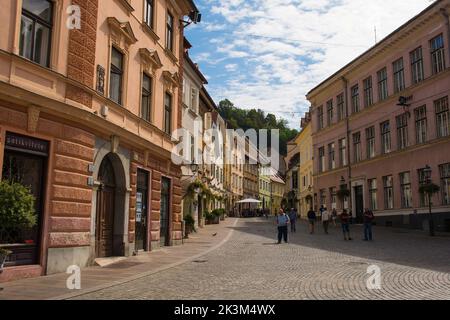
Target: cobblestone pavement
<point>251,266</point>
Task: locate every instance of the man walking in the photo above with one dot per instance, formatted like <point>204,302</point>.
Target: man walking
<point>312,220</point>
<point>368,221</point>
<point>345,222</point>
<point>293,219</point>
<point>282,222</point>
<point>334,216</point>
<point>325,220</point>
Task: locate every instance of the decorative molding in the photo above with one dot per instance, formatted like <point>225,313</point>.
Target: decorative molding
<point>150,32</point>
<point>150,60</point>
<point>121,32</point>
<point>171,80</point>
<point>115,141</point>
<point>127,5</point>
<point>33,118</point>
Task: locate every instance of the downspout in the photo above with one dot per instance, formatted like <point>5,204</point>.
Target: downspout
<point>347,129</point>
<point>447,22</point>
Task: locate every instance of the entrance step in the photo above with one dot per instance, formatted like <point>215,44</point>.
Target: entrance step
<point>104,262</point>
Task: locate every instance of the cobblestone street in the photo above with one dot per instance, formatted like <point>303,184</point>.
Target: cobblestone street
<point>251,266</point>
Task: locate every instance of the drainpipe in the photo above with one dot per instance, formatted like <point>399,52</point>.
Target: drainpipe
<point>347,129</point>
<point>447,22</point>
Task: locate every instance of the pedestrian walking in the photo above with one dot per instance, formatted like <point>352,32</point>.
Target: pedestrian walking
<point>345,222</point>
<point>368,222</point>
<point>334,217</point>
<point>325,220</point>
<point>282,222</point>
<point>293,219</point>
<point>312,220</point>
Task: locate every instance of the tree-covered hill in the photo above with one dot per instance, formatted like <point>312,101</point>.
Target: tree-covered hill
<point>256,119</point>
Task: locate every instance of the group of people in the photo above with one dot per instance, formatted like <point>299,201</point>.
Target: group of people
<point>283,220</point>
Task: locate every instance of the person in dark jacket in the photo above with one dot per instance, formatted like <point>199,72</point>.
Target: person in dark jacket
<point>345,223</point>
<point>293,219</point>
<point>368,221</point>
<point>282,223</point>
<point>312,220</point>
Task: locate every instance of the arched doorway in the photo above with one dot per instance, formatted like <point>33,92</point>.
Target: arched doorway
<point>105,209</point>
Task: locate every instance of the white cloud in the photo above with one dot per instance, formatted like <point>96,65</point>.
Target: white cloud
<point>289,46</point>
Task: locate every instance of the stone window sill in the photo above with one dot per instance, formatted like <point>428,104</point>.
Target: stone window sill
<point>150,32</point>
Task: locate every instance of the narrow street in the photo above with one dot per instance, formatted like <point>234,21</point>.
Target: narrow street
<point>251,266</point>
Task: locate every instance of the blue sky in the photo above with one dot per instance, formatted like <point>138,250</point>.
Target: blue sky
<point>268,54</point>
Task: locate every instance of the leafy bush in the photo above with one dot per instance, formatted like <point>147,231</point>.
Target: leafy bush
<point>4,252</point>
<point>189,222</point>
<point>16,208</point>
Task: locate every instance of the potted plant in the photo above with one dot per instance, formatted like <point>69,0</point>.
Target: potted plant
<point>208,217</point>
<point>17,212</point>
<point>189,223</point>
<point>216,216</point>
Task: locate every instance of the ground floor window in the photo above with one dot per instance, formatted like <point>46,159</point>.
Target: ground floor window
<point>388,192</point>
<point>25,162</point>
<point>405,185</point>
<point>373,194</point>
<point>445,183</point>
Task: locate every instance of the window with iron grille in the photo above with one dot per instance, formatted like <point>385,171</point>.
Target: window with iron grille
<point>444,171</point>
<point>382,84</point>
<point>385,137</point>
<point>405,187</point>
<point>36,31</point>
<point>320,117</point>
<point>370,137</point>
<point>357,147</point>
<point>437,54</point>
<point>331,157</point>
<point>421,124</point>
<point>417,65</point>
<point>373,194</point>
<point>368,92</point>
<point>399,75</point>
<point>330,112</point>
<point>321,159</point>
<point>388,192</point>
<point>402,131</point>
<point>341,107</point>
<point>355,99</point>
<point>442,117</point>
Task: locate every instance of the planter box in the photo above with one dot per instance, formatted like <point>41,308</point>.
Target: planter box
<point>216,220</point>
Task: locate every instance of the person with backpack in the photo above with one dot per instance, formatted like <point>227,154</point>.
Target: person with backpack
<point>345,223</point>
<point>368,221</point>
<point>312,220</point>
<point>282,223</point>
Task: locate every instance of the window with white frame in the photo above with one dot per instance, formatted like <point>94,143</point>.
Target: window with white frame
<point>424,178</point>
<point>421,124</point>
<point>405,188</point>
<point>357,150</point>
<point>368,92</point>
<point>116,76</point>
<point>340,106</point>
<point>355,99</point>
<point>402,131</point>
<point>442,117</point>
<point>388,192</point>
<point>382,84</point>
<point>320,117</point>
<point>399,75</point>
<point>373,202</point>
<point>149,12</point>
<point>385,137</point>
<point>321,159</point>
<point>343,152</point>
<point>331,157</point>
<point>370,137</point>
<point>444,171</point>
<point>333,197</point>
<point>146,99</point>
<point>417,65</point>
<point>437,54</point>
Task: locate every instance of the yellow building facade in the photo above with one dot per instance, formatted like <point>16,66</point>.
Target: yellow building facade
<point>305,146</point>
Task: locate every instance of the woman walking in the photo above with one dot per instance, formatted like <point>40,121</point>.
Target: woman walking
<point>345,222</point>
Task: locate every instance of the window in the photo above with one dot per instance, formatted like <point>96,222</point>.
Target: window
<point>370,137</point>
<point>385,137</point>
<point>357,147</point>
<point>388,192</point>
<point>405,186</point>
<point>116,74</point>
<point>343,152</point>
<point>194,99</point>
<point>323,197</point>
<point>331,157</point>
<point>437,54</point>
<point>192,149</point>
<point>373,194</point>
<point>333,198</point>
<point>445,183</point>
<point>424,177</point>
<point>442,117</point>
<point>417,65</point>
<point>341,107</point>
<point>169,32</point>
<point>399,75</point>
<point>321,159</point>
<point>330,112</point>
<point>146,97</point>
<point>320,117</point>
<point>402,131</point>
<point>294,180</point>
<point>382,84</point>
<point>35,31</point>
<point>149,9</point>
<point>368,92</point>
<point>421,124</point>
<point>168,113</point>
<point>355,99</point>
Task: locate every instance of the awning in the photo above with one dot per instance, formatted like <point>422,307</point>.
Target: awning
<point>249,201</point>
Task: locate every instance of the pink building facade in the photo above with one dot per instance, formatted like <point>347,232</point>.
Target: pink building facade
<point>382,119</point>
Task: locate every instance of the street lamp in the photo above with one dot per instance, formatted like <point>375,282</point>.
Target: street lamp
<point>427,172</point>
